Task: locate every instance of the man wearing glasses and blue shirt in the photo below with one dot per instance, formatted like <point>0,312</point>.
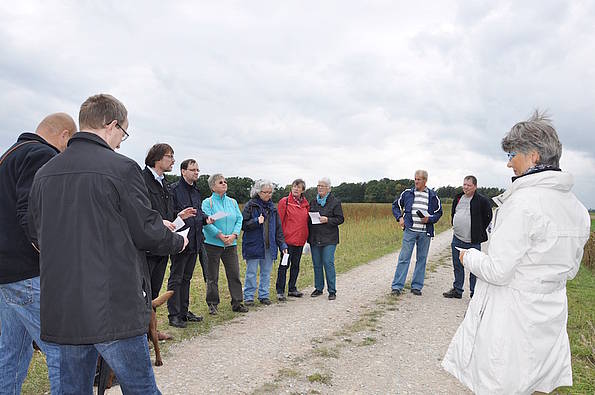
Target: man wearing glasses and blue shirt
<point>92,221</point>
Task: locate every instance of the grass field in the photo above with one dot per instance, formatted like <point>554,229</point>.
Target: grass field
<point>369,232</point>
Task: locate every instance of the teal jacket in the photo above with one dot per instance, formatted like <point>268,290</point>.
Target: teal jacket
<point>227,225</point>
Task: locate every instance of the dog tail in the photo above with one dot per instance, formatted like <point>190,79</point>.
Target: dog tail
<point>158,301</point>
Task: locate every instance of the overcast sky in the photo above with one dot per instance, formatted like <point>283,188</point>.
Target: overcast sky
<point>352,90</point>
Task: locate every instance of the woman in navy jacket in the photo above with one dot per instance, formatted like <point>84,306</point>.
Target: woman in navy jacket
<point>262,236</point>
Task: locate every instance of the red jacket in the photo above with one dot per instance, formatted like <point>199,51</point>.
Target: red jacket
<point>294,220</point>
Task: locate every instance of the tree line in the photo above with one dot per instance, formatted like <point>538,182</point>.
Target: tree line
<point>374,191</point>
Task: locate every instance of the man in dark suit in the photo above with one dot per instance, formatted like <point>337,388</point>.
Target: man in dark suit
<point>185,194</point>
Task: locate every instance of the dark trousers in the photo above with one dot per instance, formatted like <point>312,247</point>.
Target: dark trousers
<point>202,257</point>
<point>229,256</point>
<point>180,274</point>
<point>295,255</point>
<point>157,266</point>
<point>458,268</point>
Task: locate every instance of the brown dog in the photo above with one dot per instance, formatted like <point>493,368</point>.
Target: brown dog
<point>158,301</point>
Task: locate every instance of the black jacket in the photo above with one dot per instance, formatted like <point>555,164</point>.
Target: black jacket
<point>326,234</point>
<point>18,259</point>
<point>481,216</point>
<point>186,195</point>
<point>93,223</point>
<point>160,197</point>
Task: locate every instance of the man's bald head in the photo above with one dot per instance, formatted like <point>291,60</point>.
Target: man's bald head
<point>57,129</point>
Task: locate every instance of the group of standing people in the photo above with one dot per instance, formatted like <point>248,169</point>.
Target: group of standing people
<point>87,235</point>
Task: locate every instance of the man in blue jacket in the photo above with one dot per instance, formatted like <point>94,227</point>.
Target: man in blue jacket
<point>19,261</point>
<point>417,210</point>
<point>185,194</point>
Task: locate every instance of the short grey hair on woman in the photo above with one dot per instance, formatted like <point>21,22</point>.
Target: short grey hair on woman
<point>214,178</point>
<point>326,181</point>
<point>259,185</point>
<point>535,134</point>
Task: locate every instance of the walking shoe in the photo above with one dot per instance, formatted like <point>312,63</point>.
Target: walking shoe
<point>249,302</point>
<point>471,295</point>
<point>395,292</point>
<point>213,309</point>
<point>191,317</point>
<point>240,308</point>
<point>265,301</point>
<point>332,296</point>
<point>316,293</point>
<point>416,292</point>
<point>295,294</point>
<point>177,322</point>
<point>453,293</point>
<point>281,298</point>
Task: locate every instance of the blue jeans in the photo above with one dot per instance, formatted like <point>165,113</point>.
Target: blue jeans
<point>324,257</point>
<point>19,320</point>
<point>128,358</point>
<point>410,239</point>
<point>266,265</point>
<point>459,269</point>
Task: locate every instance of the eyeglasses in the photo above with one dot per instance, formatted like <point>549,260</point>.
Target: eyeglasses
<point>222,182</point>
<point>170,156</point>
<point>322,186</point>
<point>266,192</point>
<point>511,155</point>
<point>126,135</point>
<point>193,170</point>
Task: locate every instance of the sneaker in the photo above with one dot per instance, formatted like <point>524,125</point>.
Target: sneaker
<point>213,309</point>
<point>295,294</point>
<point>416,292</point>
<point>332,296</point>
<point>265,301</point>
<point>316,293</point>
<point>240,308</point>
<point>453,293</point>
<point>395,292</point>
<point>249,302</point>
<point>281,298</point>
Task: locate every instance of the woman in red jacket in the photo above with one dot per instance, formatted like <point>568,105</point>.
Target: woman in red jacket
<point>293,212</point>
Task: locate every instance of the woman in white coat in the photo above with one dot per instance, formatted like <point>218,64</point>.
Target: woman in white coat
<point>513,338</point>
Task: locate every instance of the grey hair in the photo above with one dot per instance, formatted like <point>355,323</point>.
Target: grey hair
<point>535,134</point>
<point>325,180</point>
<point>214,178</point>
<point>422,173</point>
<point>259,185</point>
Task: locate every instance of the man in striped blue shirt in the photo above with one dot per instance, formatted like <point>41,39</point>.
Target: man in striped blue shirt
<point>417,210</point>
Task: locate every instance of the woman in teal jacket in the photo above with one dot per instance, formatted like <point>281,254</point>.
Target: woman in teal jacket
<point>221,244</point>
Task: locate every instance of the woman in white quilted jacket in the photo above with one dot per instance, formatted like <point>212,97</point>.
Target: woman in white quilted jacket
<point>513,338</point>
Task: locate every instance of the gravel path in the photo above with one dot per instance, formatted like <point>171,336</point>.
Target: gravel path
<point>363,342</point>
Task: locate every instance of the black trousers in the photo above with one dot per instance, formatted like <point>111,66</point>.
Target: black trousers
<point>295,255</point>
<point>229,256</point>
<point>202,257</point>
<point>157,266</point>
<point>180,274</point>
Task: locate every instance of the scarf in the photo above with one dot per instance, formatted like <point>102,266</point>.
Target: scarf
<point>322,201</point>
<point>536,169</point>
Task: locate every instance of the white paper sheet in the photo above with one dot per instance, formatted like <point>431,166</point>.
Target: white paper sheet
<point>461,249</point>
<point>315,217</point>
<point>285,260</point>
<point>184,232</point>
<point>219,215</point>
<point>179,223</point>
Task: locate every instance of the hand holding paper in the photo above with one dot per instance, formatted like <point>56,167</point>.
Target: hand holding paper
<point>285,260</point>
<point>314,217</point>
